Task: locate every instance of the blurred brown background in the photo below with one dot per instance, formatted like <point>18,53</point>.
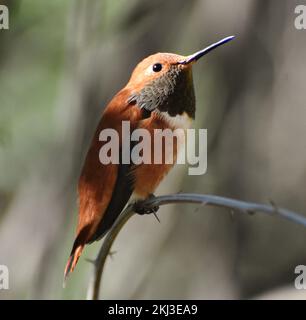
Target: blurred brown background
<point>62,61</point>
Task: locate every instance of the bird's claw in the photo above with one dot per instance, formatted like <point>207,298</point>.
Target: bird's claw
<point>141,209</point>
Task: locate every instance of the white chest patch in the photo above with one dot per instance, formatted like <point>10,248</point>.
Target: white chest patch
<point>180,121</point>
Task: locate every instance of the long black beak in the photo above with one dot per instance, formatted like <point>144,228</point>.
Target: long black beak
<point>196,56</point>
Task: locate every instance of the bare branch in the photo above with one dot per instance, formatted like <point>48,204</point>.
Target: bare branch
<point>209,200</point>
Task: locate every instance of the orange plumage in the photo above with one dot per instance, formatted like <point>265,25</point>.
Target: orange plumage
<point>97,181</point>
<point>159,95</point>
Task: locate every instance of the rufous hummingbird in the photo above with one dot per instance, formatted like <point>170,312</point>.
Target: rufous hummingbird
<point>159,95</point>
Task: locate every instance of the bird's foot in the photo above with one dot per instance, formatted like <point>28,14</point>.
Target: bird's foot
<point>141,208</point>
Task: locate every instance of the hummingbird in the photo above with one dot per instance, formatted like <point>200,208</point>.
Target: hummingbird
<point>159,95</point>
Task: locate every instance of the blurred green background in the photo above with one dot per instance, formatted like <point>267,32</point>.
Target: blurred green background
<point>62,61</point>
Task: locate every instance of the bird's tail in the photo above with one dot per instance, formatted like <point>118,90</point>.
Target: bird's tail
<point>78,246</point>
<point>74,257</point>
<point>73,260</point>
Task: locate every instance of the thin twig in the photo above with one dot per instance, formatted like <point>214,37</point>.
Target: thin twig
<point>94,285</point>
<point>209,200</point>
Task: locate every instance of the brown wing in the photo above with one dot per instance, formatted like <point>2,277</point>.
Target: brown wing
<point>103,189</point>
<point>122,192</point>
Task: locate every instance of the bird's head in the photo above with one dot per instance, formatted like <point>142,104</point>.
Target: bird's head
<point>163,82</point>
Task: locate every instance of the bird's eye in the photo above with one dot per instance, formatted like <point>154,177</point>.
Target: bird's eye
<point>157,67</point>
